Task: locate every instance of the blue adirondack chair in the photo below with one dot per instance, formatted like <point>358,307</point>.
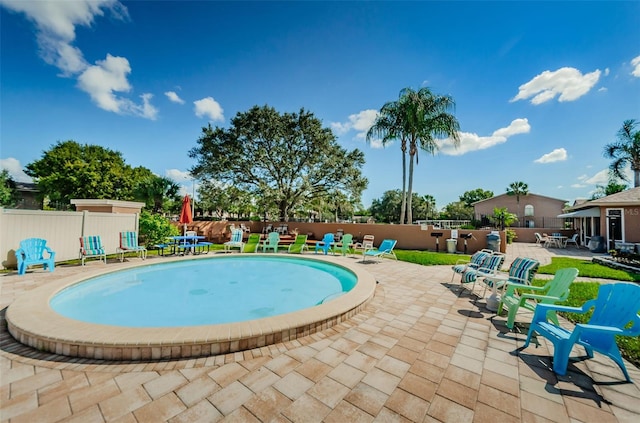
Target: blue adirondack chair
<point>615,313</point>
<point>326,243</point>
<point>31,252</point>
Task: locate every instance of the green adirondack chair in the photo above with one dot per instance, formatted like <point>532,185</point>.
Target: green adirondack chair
<point>345,246</point>
<point>553,292</point>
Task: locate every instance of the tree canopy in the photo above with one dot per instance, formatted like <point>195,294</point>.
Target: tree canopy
<point>285,160</point>
<point>72,170</point>
<point>417,118</point>
<point>478,194</point>
<point>8,193</point>
<point>625,150</point>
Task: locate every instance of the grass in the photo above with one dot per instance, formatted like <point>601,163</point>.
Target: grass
<point>588,269</point>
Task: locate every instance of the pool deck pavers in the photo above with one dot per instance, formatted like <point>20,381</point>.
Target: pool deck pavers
<point>423,350</point>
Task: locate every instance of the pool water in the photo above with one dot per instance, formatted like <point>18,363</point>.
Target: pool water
<point>204,291</point>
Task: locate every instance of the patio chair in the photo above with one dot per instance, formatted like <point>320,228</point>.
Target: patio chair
<point>325,244</point>
<point>489,266</point>
<point>521,271</point>
<point>554,291</point>
<point>474,262</point>
<point>384,250</point>
<point>91,246</point>
<point>251,246</point>
<point>32,251</point>
<point>344,246</point>
<point>271,243</point>
<point>540,240</point>
<point>366,244</point>
<point>299,245</point>
<point>129,243</point>
<point>573,240</point>
<point>615,313</point>
<point>235,241</point>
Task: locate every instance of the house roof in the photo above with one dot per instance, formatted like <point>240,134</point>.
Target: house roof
<point>528,195</point>
<point>630,197</point>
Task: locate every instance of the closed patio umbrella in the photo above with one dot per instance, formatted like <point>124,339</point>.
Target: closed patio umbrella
<point>185,214</point>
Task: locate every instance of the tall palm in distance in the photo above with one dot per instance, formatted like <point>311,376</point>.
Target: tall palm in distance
<point>427,118</point>
<point>518,189</point>
<point>625,150</point>
<point>417,118</point>
<point>388,127</point>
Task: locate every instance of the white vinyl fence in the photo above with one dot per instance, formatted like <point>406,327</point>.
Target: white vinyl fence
<point>62,230</point>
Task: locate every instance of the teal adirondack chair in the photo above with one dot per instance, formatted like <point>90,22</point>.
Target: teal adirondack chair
<point>325,244</point>
<point>345,246</point>
<point>553,292</point>
<point>32,251</point>
<point>299,244</point>
<point>91,246</point>
<point>271,243</point>
<point>251,246</point>
<point>615,313</point>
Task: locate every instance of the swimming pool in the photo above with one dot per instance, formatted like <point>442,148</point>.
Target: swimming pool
<point>204,292</point>
<point>32,320</point>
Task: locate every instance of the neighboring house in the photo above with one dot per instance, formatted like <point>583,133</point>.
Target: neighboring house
<point>615,217</point>
<point>534,210</point>
<point>28,196</point>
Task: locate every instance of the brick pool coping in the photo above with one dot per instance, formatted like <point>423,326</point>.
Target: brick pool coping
<point>32,321</point>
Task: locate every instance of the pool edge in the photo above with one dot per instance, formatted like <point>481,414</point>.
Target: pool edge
<point>32,322</point>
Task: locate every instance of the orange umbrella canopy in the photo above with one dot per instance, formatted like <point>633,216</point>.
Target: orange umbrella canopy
<point>185,214</point>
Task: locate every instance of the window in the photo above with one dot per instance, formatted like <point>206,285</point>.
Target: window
<point>528,210</point>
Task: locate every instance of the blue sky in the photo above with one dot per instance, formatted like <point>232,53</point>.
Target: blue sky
<point>540,87</point>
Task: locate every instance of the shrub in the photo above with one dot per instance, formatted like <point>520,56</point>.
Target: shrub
<point>154,229</point>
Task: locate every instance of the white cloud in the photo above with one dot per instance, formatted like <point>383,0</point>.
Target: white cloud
<point>15,170</point>
<point>635,62</point>
<point>56,23</point>
<point>472,142</point>
<point>359,122</point>
<point>210,108</point>
<point>567,83</point>
<point>107,77</point>
<point>557,155</point>
<point>173,96</point>
<point>178,175</point>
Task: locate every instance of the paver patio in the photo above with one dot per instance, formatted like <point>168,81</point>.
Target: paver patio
<point>423,350</point>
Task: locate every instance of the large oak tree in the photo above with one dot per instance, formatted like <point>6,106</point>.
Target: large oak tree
<point>284,159</point>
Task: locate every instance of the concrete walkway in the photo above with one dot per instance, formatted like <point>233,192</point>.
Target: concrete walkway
<point>422,351</point>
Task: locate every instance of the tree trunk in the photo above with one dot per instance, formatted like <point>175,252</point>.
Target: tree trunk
<point>636,178</point>
<point>403,204</point>
<point>409,190</point>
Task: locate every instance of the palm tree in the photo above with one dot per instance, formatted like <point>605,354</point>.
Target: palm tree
<point>518,189</point>
<point>625,150</point>
<point>387,127</point>
<point>426,117</point>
